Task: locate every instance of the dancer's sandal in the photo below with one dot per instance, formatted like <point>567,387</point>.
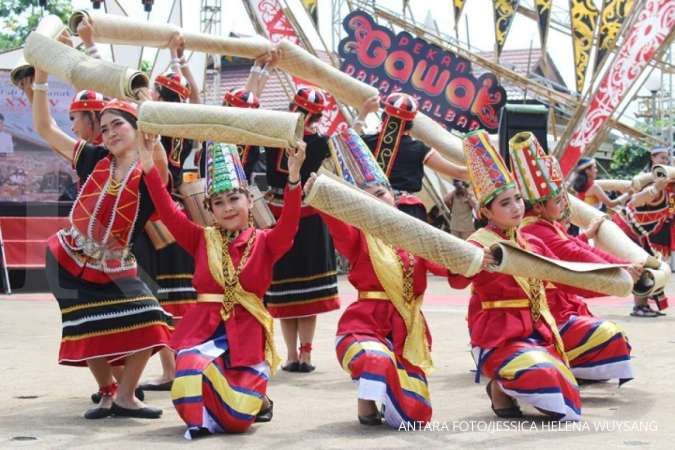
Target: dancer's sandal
<point>511,412</point>
<point>99,412</point>
<point>139,413</point>
<point>265,414</point>
<point>305,366</point>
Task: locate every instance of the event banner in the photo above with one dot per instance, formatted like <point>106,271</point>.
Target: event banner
<point>458,6</point>
<point>583,18</point>
<point>543,8</point>
<point>613,14</point>
<point>646,37</point>
<point>504,13</point>
<point>443,83</point>
<point>29,169</point>
<point>272,18</point>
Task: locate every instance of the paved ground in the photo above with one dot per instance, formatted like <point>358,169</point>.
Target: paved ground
<point>42,402</point>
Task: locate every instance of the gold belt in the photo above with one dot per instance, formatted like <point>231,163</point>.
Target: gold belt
<point>228,304</point>
<point>499,304</point>
<point>373,295</point>
<point>213,298</point>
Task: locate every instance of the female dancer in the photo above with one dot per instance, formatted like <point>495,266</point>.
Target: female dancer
<point>225,343</point>
<point>514,337</point>
<point>109,316</point>
<point>586,189</point>
<point>596,349</point>
<point>305,279</point>
<point>383,341</point>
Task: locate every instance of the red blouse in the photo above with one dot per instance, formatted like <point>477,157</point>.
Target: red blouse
<point>370,316</point>
<point>245,335</point>
<point>567,248</point>
<point>490,328</point>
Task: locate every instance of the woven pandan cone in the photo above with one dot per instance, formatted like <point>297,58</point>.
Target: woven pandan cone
<point>662,171</point>
<point>113,29</point>
<point>221,124</point>
<point>435,136</point>
<point>82,71</point>
<point>50,26</point>
<point>372,216</point>
<point>302,64</point>
<point>608,279</point>
<point>614,185</point>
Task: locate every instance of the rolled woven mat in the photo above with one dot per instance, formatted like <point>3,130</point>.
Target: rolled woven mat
<point>222,124</point>
<point>249,47</point>
<point>608,279</point>
<point>50,26</point>
<point>650,282</point>
<point>662,171</point>
<point>82,71</point>
<point>435,136</point>
<point>614,185</point>
<point>354,206</point>
<point>114,29</point>
<point>610,237</point>
<point>346,89</point>
<point>641,180</point>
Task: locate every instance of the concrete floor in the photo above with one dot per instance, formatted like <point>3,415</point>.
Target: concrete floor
<point>42,402</point>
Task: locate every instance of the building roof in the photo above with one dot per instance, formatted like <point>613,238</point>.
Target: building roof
<point>530,63</point>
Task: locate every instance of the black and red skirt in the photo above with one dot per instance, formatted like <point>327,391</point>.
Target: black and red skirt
<point>111,320</point>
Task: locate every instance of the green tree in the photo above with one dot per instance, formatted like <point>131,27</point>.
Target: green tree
<point>627,161</point>
<point>19,17</point>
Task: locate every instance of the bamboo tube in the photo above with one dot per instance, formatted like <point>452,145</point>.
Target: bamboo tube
<point>434,135</point>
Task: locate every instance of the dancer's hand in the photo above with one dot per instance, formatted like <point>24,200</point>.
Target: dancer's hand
<point>86,32</point>
<point>371,105</point>
<point>143,94</point>
<point>296,156</point>
<point>147,144</point>
<point>310,182</point>
<point>177,45</point>
<point>593,228</point>
<point>661,183</point>
<point>269,59</point>
<point>635,271</point>
<point>489,261</point>
<point>64,38</point>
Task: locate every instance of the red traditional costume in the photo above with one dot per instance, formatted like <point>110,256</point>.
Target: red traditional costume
<point>596,349</point>
<point>225,343</point>
<point>513,334</point>
<point>382,339</point>
<point>106,311</point>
